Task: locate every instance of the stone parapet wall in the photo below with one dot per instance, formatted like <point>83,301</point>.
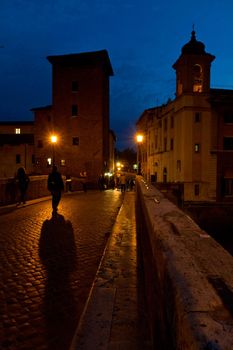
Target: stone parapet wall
<point>37,188</point>
<point>188,276</point>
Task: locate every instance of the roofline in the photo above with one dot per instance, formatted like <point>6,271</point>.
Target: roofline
<point>41,108</point>
<point>17,122</point>
<point>83,58</point>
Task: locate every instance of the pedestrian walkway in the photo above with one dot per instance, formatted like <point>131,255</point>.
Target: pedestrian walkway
<point>48,265</point>
<point>115,313</point>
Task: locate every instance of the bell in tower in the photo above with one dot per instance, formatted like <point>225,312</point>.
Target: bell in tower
<point>193,68</point>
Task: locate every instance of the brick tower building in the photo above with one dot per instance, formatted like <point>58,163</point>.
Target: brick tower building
<point>78,116</point>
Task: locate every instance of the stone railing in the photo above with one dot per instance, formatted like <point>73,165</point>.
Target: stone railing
<point>188,276</point>
<point>37,188</point>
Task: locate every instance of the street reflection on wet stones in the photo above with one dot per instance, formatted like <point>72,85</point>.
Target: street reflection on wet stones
<point>57,251</point>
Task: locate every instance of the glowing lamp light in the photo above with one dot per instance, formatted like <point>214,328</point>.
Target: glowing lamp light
<point>139,138</point>
<point>53,138</point>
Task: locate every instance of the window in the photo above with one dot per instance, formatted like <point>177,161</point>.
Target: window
<point>164,174</point>
<point>49,161</point>
<point>165,144</point>
<point>197,78</point>
<point>33,159</point>
<point>228,143</point>
<point>228,186</point>
<point>75,141</point>
<point>197,117</point>
<point>63,162</point>
<point>17,130</point>
<point>172,144</point>
<point>165,124</point>
<point>156,141</point>
<point>17,158</point>
<point>74,110</point>
<point>178,165</point>
<point>172,122</point>
<point>74,86</point>
<point>228,118</point>
<point>39,143</point>
<point>197,147</point>
<point>196,189</point>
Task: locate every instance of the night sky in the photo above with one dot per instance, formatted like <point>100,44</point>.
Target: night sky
<point>143,40</point>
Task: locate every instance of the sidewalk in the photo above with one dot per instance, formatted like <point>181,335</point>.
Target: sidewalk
<point>115,315</point>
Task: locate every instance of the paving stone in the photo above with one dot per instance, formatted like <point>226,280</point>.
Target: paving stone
<point>48,266</point>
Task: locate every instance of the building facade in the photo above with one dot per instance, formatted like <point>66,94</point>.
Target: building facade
<point>16,147</point>
<point>189,140</point>
<point>78,118</point>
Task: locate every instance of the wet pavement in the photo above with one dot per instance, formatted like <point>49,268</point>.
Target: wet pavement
<point>47,267</point>
<point>115,316</point>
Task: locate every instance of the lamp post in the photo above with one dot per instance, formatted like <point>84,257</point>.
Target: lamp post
<point>139,140</point>
<point>53,139</point>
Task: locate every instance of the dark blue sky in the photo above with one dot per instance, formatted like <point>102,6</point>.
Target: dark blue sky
<point>143,39</point>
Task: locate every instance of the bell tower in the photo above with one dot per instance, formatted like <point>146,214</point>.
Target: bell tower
<point>193,68</point>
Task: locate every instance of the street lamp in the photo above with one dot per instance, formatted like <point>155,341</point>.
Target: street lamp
<point>139,140</point>
<point>53,139</point>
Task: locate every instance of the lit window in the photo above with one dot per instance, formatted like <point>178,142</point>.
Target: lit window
<point>63,162</point>
<point>17,130</point>
<point>197,78</point>
<point>49,161</point>
<point>197,147</point>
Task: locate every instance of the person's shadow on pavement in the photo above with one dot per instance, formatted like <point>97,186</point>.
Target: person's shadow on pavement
<point>57,252</point>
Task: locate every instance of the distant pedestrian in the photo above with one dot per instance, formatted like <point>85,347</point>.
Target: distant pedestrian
<point>123,182</point>
<point>101,183</point>
<point>68,183</point>
<point>22,181</point>
<point>55,186</point>
<point>131,184</point>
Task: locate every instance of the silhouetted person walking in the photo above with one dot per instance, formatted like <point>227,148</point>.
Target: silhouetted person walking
<point>55,186</point>
<point>123,183</point>
<point>22,181</point>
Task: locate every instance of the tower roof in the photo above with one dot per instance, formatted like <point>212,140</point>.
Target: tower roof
<point>85,58</point>
<point>193,47</point>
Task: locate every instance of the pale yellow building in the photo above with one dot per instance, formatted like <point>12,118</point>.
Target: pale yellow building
<point>188,143</point>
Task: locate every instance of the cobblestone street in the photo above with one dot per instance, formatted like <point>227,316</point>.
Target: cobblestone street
<point>47,266</point>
